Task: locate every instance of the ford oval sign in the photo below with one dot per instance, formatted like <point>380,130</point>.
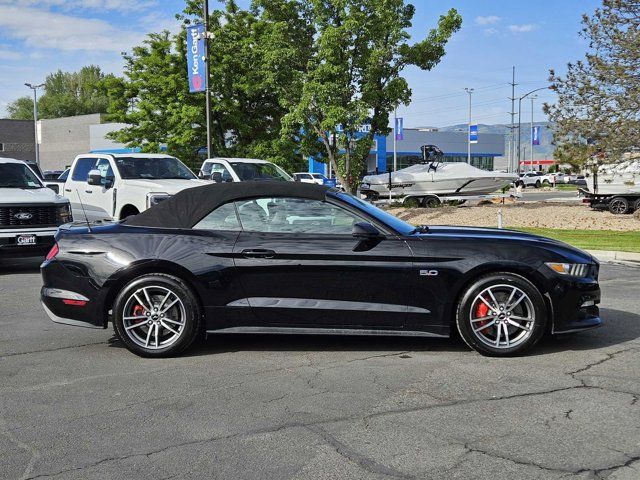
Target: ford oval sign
<point>23,216</point>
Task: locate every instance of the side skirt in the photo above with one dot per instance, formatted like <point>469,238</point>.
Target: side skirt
<point>327,331</point>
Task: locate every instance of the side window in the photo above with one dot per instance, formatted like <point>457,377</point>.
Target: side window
<point>206,168</point>
<point>104,166</point>
<point>82,168</point>
<point>219,168</point>
<point>222,218</point>
<point>295,215</point>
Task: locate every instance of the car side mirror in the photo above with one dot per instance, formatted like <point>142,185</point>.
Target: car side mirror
<point>94,177</point>
<point>364,230</point>
<point>216,177</point>
<point>54,187</point>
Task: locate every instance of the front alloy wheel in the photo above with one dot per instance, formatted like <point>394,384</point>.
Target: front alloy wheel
<point>501,314</point>
<point>156,315</point>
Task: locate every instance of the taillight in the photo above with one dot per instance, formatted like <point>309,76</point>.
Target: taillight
<point>53,252</point>
<point>76,303</point>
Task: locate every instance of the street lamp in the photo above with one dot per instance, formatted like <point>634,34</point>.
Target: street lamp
<point>533,97</point>
<point>469,91</point>
<point>519,118</point>
<point>35,117</point>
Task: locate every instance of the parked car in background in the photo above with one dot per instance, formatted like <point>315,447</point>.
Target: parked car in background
<point>241,170</point>
<point>30,213</point>
<point>533,179</point>
<point>306,177</point>
<point>51,174</point>
<point>115,186</point>
<point>57,183</point>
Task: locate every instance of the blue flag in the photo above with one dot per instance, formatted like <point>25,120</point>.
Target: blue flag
<point>195,58</point>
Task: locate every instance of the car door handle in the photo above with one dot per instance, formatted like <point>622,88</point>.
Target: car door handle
<point>88,191</point>
<point>67,189</point>
<point>258,253</point>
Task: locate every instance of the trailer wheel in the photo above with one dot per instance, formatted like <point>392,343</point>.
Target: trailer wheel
<point>430,201</point>
<point>619,205</point>
<point>636,205</point>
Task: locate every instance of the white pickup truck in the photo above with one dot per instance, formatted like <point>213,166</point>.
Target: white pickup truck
<point>115,186</point>
<point>241,170</point>
<point>30,213</point>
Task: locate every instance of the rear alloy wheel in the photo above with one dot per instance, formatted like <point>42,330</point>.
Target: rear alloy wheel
<point>156,316</point>
<point>501,314</point>
<point>619,205</point>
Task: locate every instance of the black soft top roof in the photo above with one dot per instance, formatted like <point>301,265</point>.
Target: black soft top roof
<point>188,207</point>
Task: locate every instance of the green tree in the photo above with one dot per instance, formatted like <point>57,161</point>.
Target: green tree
<point>21,108</point>
<point>66,94</point>
<point>353,77</point>
<point>598,98</point>
<point>254,57</point>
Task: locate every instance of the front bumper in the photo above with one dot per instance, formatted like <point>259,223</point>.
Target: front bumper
<point>575,305</point>
<point>10,249</point>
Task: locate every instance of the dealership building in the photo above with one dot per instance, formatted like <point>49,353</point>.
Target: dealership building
<point>490,146</point>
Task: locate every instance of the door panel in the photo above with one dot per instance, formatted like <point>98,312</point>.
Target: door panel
<point>324,280</point>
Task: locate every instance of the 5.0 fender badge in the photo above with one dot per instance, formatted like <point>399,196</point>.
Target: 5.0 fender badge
<point>428,273</point>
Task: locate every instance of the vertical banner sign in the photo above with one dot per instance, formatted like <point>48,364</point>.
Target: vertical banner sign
<point>473,133</point>
<point>535,135</point>
<point>399,129</point>
<point>195,58</point>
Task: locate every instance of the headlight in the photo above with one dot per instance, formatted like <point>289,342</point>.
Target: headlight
<point>156,198</point>
<point>64,214</point>
<point>573,269</point>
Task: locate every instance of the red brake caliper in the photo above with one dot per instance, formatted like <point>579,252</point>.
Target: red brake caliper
<point>138,311</point>
<point>481,311</point>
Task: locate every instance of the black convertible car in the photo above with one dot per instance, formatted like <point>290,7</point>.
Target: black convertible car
<point>285,257</point>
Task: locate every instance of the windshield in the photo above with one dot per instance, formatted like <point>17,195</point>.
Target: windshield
<point>395,223</point>
<point>18,175</point>
<point>259,171</point>
<point>152,168</point>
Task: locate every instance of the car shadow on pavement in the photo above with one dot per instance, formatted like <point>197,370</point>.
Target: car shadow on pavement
<point>619,327</point>
<point>22,265</point>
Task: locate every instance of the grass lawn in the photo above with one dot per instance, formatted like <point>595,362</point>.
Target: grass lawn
<point>592,239</point>
<point>566,187</point>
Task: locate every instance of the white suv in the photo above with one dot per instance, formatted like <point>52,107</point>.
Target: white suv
<point>115,186</point>
<point>30,213</point>
<point>241,170</point>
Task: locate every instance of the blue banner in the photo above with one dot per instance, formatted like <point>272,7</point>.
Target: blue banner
<point>473,133</point>
<point>535,136</point>
<point>399,129</point>
<point>195,58</point>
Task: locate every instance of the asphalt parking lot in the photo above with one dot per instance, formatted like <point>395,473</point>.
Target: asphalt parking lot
<point>76,405</point>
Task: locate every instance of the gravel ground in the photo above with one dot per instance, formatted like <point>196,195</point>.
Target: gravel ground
<point>567,216</point>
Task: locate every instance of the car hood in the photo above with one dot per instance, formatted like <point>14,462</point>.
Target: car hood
<point>170,186</point>
<point>497,235</point>
<point>28,195</point>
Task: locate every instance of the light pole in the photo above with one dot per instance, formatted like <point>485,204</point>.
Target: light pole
<point>35,117</point>
<point>207,94</point>
<point>533,97</point>
<point>469,91</point>
<point>395,139</point>
<point>519,118</point>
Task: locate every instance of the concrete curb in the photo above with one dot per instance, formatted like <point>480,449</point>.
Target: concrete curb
<point>615,256</point>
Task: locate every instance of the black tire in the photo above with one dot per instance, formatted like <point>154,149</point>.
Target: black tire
<point>188,308</point>
<point>431,201</point>
<point>636,205</point>
<point>482,342</point>
<point>538,184</point>
<point>619,205</point>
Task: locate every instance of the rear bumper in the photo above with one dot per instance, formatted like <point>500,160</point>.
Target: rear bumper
<point>60,284</point>
<point>67,321</point>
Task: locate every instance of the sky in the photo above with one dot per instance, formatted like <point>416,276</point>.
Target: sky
<point>38,37</point>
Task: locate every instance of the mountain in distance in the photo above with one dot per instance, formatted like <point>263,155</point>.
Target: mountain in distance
<point>542,151</point>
